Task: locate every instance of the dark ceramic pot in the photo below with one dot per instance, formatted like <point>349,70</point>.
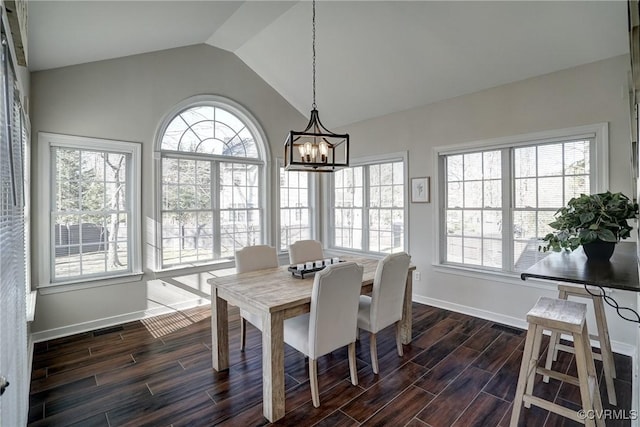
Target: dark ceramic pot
<point>598,250</point>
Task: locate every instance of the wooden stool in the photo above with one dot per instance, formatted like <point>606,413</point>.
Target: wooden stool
<point>606,355</point>
<point>567,317</point>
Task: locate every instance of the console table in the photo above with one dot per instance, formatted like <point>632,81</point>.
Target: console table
<point>621,272</point>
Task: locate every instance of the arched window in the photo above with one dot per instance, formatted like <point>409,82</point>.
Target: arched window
<point>212,182</point>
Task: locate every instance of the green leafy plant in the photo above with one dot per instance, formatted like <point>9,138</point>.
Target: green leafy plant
<point>591,218</point>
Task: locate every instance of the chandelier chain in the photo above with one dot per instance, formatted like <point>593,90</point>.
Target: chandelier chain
<point>313,43</point>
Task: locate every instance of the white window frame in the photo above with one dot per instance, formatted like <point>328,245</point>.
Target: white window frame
<point>134,178</point>
<point>329,201</point>
<point>599,132</point>
<point>313,195</point>
<point>263,161</point>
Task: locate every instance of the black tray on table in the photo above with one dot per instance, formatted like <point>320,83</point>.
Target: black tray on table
<point>301,273</point>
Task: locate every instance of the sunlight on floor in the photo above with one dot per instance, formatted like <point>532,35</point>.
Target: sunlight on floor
<point>165,324</point>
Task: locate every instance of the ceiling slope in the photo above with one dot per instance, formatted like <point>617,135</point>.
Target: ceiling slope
<point>373,57</point>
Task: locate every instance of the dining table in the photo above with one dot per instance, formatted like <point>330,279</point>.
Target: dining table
<point>276,294</point>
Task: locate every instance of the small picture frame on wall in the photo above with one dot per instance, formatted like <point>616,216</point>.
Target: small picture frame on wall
<point>421,189</point>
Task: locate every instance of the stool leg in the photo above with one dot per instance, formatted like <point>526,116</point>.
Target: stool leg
<point>591,370</point>
<point>535,354</point>
<point>608,365</point>
<point>552,353</point>
<point>524,375</point>
<point>565,296</point>
<point>586,371</point>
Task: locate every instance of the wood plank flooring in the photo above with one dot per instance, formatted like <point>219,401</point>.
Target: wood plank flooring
<point>458,371</point>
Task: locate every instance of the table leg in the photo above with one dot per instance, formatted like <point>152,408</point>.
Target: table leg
<point>273,366</point>
<point>406,321</point>
<point>219,332</point>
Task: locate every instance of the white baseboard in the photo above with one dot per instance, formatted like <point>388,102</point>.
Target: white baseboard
<point>113,321</point>
<point>616,346</point>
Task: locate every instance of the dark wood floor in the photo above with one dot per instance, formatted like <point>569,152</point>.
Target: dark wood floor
<point>458,371</point>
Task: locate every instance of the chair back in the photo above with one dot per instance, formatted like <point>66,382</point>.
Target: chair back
<point>257,257</point>
<point>389,285</point>
<point>334,308</point>
<point>305,250</point>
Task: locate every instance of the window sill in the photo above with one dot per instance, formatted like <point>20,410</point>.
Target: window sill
<point>494,276</point>
<point>54,288</point>
<point>190,269</point>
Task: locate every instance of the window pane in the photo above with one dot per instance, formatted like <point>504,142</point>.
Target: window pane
<point>91,229</point>
<point>454,168</point>
<point>348,207</point>
<point>525,162</point>
<point>543,178</point>
<point>492,224</point>
<point>472,225</point>
<point>574,186</point>
<point>454,249</point>
<point>550,193</point>
<point>454,222</point>
<point>295,212</point>
<point>492,165</point>
<point>472,166</point>
<point>209,130</point>
<point>576,158</point>
<point>550,160</point>
<point>211,208</point>
<point>472,251</point>
<point>563,172</point>
<point>492,253</point>
<point>455,195</point>
<point>526,193</point>
<point>475,194</point>
<point>492,194</point>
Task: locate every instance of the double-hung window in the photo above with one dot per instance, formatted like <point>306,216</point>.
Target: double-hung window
<point>368,207</point>
<point>93,190</point>
<point>212,182</point>
<point>296,211</point>
<point>499,200</point>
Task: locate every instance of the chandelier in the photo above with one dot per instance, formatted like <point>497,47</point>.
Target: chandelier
<point>316,148</point>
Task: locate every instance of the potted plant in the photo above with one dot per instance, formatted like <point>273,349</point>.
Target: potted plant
<point>595,221</point>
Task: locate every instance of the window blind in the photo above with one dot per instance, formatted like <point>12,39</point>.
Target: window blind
<point>13,270</point>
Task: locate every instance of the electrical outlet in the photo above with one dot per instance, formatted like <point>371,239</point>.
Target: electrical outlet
<point>417,276</point>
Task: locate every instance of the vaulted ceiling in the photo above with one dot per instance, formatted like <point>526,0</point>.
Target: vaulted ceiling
<point>373,57</point>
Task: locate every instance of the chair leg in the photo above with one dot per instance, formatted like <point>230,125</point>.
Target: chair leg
<point>243,333</point>
<point>313,382</point>
<point>399,339</point>
<point>353,367</point>
<point>374,353</point>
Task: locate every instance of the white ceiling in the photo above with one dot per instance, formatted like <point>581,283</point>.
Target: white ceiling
<point>373,57</point>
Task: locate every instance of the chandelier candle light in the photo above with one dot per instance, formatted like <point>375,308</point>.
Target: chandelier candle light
<point>316,149</point>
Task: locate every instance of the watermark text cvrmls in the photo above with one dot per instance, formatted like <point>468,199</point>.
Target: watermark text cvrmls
<point>608,414</point>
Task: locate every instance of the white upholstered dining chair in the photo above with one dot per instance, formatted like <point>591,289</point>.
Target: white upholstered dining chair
<point>331,322</point>
<point>248,259</point>
<point>305,250</point>
<point>384,307</point>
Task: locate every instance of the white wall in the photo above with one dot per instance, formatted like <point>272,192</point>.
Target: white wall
<point>125,99</point>
<point>583,95</point>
